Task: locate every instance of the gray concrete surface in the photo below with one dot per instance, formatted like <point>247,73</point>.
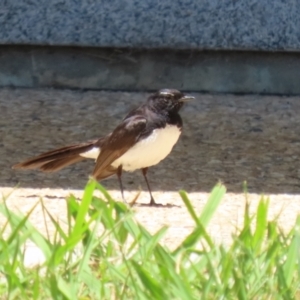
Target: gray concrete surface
<point>225,137</point>
<point>120,69</point>
<point>205,24</point>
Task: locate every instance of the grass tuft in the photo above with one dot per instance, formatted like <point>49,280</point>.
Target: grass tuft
<point>104,253</point>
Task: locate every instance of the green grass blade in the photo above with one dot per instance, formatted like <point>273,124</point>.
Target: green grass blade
<point>35,235</point>
<point>150,283</point>
<point>84,207</point>
<point>65,289</point>
<point>292,259</point>
<point>189,206</point>
<point>212,204</point>
<point>261,223</point>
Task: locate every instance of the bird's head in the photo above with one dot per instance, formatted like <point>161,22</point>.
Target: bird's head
<point>168,100</point>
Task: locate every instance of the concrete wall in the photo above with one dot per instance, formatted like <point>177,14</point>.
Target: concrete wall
<point>199,24</point>
<point>109,35</point>
<point>128,69</point>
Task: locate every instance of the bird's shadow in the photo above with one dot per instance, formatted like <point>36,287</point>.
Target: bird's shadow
<point>157,205</point>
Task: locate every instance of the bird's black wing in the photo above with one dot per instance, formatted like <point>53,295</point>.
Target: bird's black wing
<point>120,140</point>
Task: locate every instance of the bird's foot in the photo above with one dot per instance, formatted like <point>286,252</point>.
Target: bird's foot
<point>154,204</point>
<point>158,205</point>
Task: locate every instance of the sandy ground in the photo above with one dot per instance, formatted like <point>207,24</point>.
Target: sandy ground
<point>225,137</point>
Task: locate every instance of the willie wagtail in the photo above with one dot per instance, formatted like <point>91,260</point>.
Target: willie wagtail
<point>144,138</point>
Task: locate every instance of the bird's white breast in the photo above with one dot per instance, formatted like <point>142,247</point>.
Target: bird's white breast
<point>151,150</point>
<point>147,152</point>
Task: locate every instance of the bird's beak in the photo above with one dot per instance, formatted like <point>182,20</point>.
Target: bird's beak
<point>186,98</point>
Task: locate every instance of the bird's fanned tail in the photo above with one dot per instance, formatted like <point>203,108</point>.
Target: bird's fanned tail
<point>57,159</point>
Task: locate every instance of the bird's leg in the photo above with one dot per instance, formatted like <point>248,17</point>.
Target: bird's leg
<point>144,171</point>
<point>119,174</point>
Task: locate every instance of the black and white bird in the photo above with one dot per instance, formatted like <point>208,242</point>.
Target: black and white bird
<point>144,138</point>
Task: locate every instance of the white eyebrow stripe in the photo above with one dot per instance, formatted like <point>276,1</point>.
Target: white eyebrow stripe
<point>166,93</point>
